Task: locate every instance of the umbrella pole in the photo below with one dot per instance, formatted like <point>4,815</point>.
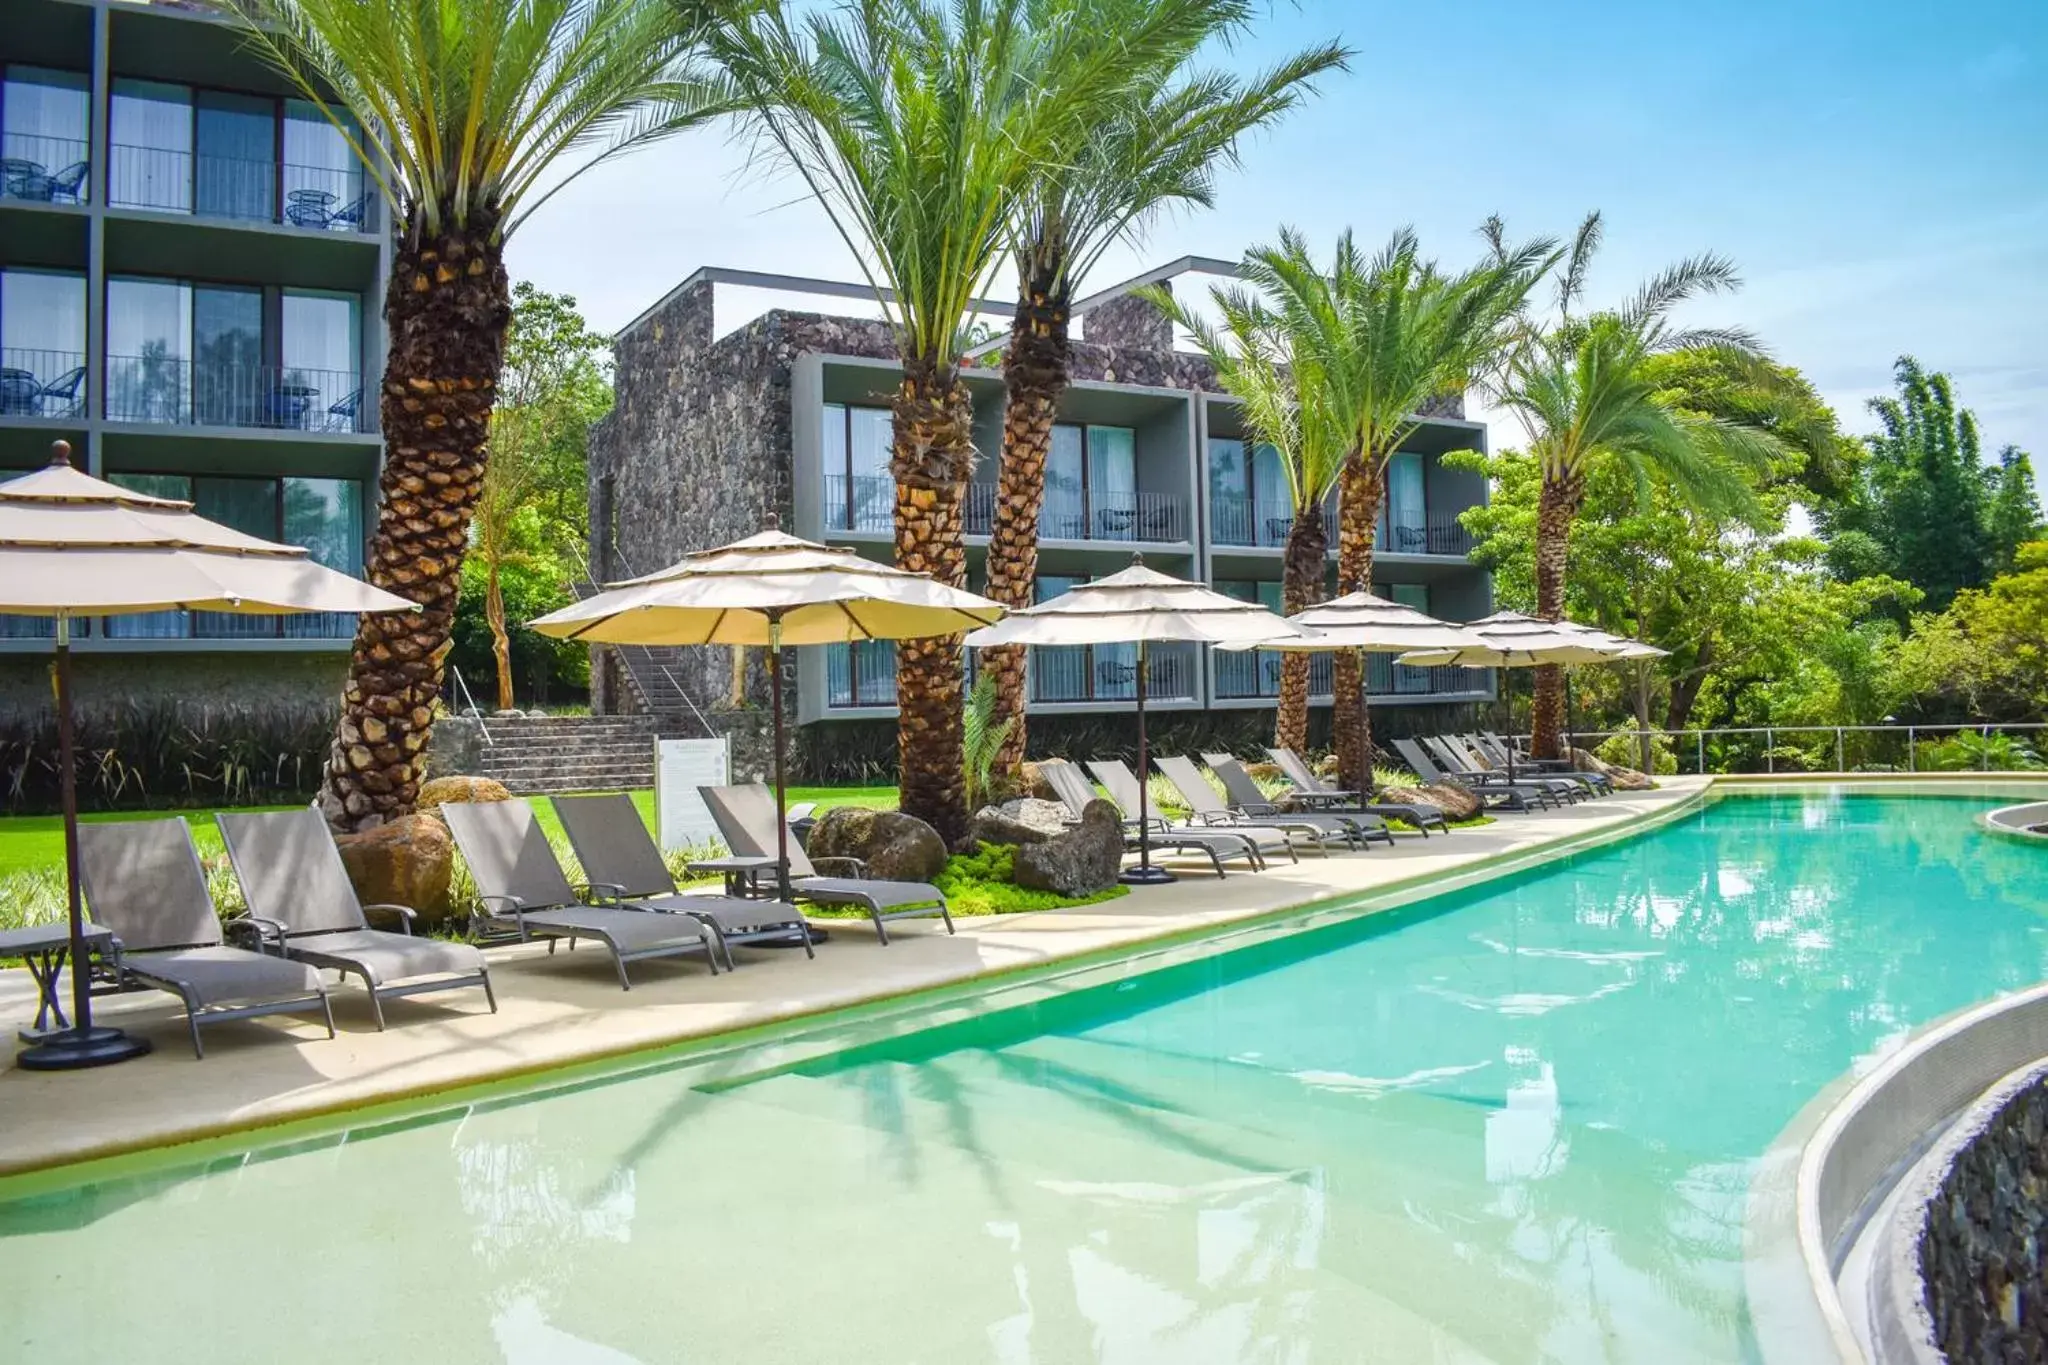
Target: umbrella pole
<point>1365,711</point>
<point>1144,874</point>
<point>1504,675</point>
<point>81,1045</point>
<point>781,787</point>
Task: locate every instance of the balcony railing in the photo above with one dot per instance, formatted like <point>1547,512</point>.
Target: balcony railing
<point>317,197</point>
<point>1246,521</point>
<point>185,393</point>
<point>36,383</point>
<point>1128,516</point>
<point>865,504</point>
<point>1079,673</point>
<point>1437,535</point>
<point>222,625</point>
<point>1242,676</point>
<point>49,170</point>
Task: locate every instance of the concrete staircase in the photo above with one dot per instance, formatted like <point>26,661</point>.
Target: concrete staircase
<point>545,755</point>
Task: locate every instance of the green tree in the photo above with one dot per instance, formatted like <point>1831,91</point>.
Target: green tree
<point>481,109</point>
<point>918,125</point>
<point>1155,143</point>
<point>1986,657</point>
<point>1585,395</point>
<point>2014,517</point>
<point>530,513</point>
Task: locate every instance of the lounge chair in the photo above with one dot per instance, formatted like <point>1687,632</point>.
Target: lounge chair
<point>1490,794</point>
<point>1121,783</point>
<point>1331,801</point>
<point>143,881</point>
<point>301,899</point>
<point>1452,758</point>
<point>1494,753</point>
<point>1207,809</point>
<point>620,858</point>
<point>1368,819</point>
<point>522,885</point>
<point>1074,789</point>
<point>745,816</point>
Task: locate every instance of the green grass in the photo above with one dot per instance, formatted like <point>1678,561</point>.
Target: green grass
<point>34,843</point>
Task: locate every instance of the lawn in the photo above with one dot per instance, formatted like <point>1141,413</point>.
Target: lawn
<point>29,843</point>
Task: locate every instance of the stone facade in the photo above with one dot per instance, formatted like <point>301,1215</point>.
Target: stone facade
<point>1984,1249</point>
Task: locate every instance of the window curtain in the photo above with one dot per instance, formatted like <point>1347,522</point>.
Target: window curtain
<point>320,347</point>
<point>235,171</point>
<point>1230,491</point>
<point>1058,672</point>
<point>1405,504</point>
<point>154,625</point>
<point>42,324</point>
<point>871,436</point>
<point>1064,516</point>
<point>1272,498</point>
<point>149,333</point>
<point>227,356</point>
<point>150,141</point>
<point>1113,482</point>
<point>318,165</point>
<point>45,120</point>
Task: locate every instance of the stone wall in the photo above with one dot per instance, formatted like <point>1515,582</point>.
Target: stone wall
<point>1984,1249</point>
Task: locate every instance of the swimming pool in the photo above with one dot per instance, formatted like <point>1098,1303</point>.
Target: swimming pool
<point>1511,1124</point>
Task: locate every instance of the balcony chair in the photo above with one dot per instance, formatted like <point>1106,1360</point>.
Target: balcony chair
<point>20,394</point>
<point>66,389</point>
<point>66,184</point>
<point>342,416</point>
<point>350,216</point>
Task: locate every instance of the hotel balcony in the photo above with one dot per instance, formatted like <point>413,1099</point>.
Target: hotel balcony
<point>157,389</point>
<point>324,199</point>
<point>866,505</point>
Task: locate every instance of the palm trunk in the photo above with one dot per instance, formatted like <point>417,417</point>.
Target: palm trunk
<point>1301,587</point>
<point>501,641</point>
<point>1034,376</point>
<point>1361,485</point>
<point>1556,505</point>
<point>447,308</point>
<point>932,456</point>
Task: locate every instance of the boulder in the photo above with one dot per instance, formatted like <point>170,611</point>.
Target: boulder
<point>1455,802</point>
<point>896,847</point>
<point>1624,779</point>
<point>1265,772</point>
<point>406,861</point>
<point>1026,820</point>
<point>437,790</point>
<point>1035,785</point>
<point>1081,862</point>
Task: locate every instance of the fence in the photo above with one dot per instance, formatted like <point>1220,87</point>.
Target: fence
<point>1979,746</point>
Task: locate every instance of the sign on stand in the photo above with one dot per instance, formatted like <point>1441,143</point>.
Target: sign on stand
<point>680,767</point>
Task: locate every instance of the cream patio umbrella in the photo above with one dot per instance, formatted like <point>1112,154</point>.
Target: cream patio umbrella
<point>771,589</point>
<point>72,545</point>
<point>1508,639</point>
<point>1368,624</point>
<point>1138,606</point>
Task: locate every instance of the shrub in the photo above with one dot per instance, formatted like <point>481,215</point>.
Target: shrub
<point>1970,751</point>
<point>1625,751</point>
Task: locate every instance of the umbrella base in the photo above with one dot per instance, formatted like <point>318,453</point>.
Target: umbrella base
<point>74,1048</point>
<point>1146,876</point>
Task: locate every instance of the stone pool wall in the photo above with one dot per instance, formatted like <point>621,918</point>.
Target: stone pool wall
<point>1984,1247</point>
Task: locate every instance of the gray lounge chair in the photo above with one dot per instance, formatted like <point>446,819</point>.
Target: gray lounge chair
<point>1075,791</point>
<point>301,898</point>
<point>1207,809</point>
<point>522,885</point>
<point>1245,795</point>
<point>1494,753</point>
<point>1121,783</point>
<point>619,857</point>
<point>143,881</point>
<point>1490,794</point>
<point>1327,799</point>
<point>1452,758</point>
<point>745,816</point>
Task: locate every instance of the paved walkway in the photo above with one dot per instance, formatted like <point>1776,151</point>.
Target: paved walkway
<point>569,1008</point>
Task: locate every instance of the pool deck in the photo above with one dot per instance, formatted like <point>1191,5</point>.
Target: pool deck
<point>553,1012</point>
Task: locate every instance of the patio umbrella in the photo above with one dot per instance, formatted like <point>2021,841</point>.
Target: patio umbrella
<point>771,589</point>
<point>72,545</point>
<point>1138,606</point>
<point>1370,625</point>
<point>1508,639</point>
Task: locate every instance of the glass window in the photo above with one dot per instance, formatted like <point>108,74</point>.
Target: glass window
<point>247,505</point>
<point>1272,498</point>
<point>227,356</point>
<point>1064,514</point>
<point>1113,482</point>
<point>321,176</point>
<point>150,142</point>
<point>319,347</point>
<point>325,516</point>
<point>153,625</point>
<point>43,124</point>
<point>235,171</point>
<point>1230,492</point>
<point>42,342</point>
<point>149,331</point>
<point>1414,595</point>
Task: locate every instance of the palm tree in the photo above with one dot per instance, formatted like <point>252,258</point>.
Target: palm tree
<point>1585,392</point>
<point>1391,334</point>
<point>917,125</point>
<point>476,112</point>
<point>1154,143</point>
<point>1287,402</point>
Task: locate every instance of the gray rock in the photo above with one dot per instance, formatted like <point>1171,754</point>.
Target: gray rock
<point>1080,862</point>
<point>1026,820</point>
<point>896,847</point>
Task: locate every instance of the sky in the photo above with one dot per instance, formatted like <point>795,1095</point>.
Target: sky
<point>1878,171</point>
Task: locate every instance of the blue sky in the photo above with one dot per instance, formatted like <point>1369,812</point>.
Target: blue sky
<point>1878,170</point>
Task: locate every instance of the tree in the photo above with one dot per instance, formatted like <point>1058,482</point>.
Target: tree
<point>1585,396</point>
<point>1385,337</point>
<point>1155,142</point>
<point>530,512</point>
<point>917,125</point>
<point>2014,517</point>
<point>480,108</point>
<point>1286,403</point>
<point>1986,657</point>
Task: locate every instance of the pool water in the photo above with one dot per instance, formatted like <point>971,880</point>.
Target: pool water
<point>1514,1124</point>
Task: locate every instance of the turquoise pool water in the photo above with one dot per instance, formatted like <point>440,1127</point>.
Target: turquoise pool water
<point>1515,1124</point>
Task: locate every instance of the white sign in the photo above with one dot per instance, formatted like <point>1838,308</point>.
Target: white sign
<point>680,767</point>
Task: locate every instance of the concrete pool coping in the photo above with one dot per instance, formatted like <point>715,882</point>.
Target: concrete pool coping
<point>564,1021</point>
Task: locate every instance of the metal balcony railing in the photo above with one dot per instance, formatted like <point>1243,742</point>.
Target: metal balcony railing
<point>865,504</point>
<point>866,678</point>
<point>38,383</point>
<point>318,197</point>
<point>1251,522</point>
<point>1083,673</point>
<point>221,625</point>
<point>182,392</point>
<point>1435,535</point>
<point>1130,516</point>
<point>1243,676</point>
<point>48,170</point>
